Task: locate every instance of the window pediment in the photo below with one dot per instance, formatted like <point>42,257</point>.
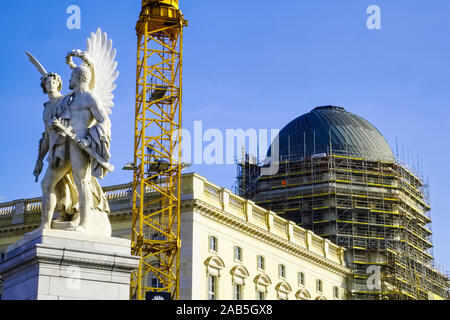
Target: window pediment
<point>214,264</point>
<point>239,271</point>
<point>263,280</point>
<point>283,287</point>
<point>303,294</point>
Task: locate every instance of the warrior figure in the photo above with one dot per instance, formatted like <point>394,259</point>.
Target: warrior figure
<point>70,184</point>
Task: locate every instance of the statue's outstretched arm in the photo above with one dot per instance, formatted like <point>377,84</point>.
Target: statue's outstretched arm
<point>43,146</point>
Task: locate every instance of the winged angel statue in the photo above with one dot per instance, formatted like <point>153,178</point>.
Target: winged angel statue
<point>77,139</point>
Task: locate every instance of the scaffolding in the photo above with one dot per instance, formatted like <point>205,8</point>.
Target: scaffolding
<point>248,172</point>
<point>378,210</point>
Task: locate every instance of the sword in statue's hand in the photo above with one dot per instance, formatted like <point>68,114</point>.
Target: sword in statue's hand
<point>36,63</point>
<point>44,73</point>
<point>68,131</point>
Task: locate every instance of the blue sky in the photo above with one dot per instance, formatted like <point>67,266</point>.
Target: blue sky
<point>249,64</point>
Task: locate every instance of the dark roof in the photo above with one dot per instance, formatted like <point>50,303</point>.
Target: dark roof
<point>346,133</point>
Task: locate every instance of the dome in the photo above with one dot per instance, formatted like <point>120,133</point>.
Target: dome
<point>346,133</point>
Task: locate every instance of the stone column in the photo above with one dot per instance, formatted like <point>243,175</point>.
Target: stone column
<point>60,265</point>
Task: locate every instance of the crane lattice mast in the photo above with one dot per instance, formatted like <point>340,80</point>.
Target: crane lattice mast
<point>157,149</point>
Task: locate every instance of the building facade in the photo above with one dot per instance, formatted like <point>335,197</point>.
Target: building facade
<point>230,247</point>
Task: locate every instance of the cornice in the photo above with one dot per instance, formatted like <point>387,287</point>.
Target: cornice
<point>263,235</point>
<point>62,256</point>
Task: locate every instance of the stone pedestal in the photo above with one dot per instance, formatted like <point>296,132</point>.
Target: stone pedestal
<point>57,264</point>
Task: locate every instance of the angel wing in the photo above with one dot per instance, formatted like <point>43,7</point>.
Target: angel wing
<point>102,55</point>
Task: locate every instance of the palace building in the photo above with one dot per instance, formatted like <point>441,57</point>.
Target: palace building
<point>230,247</point>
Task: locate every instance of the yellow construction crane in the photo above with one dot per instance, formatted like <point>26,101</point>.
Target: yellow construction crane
<point>157,149</point>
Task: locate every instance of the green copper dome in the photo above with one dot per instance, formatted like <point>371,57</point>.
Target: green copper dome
<point>332,128</point>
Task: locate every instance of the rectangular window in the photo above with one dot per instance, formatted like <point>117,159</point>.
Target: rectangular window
<point>336,292</point>
<point>260,262</point>
<point>260,295</point>
<point>301,278</point>
<point>281,270</point>
<point>237,254</point>
<point>213,243</point>
<point>237,292</point>
<point>319,286</point>
<point>212,287</point>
